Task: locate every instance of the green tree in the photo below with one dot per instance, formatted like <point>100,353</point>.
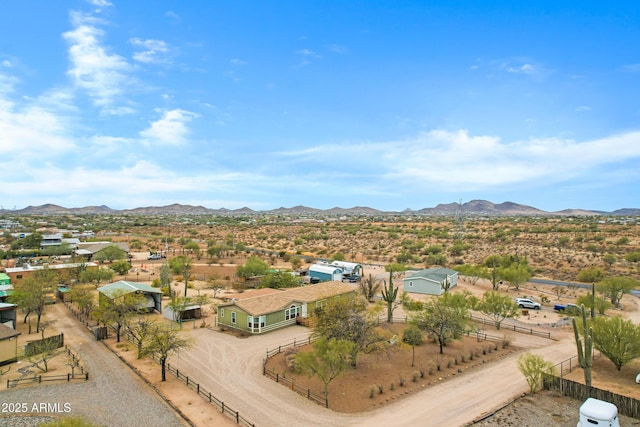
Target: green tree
<point>253,267</point>
<point>617,338</point>
<point>471,273</point>
<point>445,318</point>
<point>534,367</point>
<point>610,259</point>
<point>110,253</point>
<point>117,309</point>
<point>296,262</point>
<point>120,267</point>
<point>591,274</point>
<point>279,279</point>
<point>193,248</point>
<point>615,287</point>
<point>345,318</point>
<point>141,329</point>
<point>84,296</point>
<point>327,360</point>
<point>165,278</point>
<point>493,264</point>
<point>516,275</point>
<point>96,275</point>
<point>498,307</point>
<point>601,304</point>
<point>31,294</point>
<point>182,265</point>
<point>397,268</point>
<point>44,351</point>
<point>338,256</point>
<point>413,336</point>
<point>632,257</point>
<point>162,344</point>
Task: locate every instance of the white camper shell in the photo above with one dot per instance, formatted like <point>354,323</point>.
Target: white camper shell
<point>594,412</point>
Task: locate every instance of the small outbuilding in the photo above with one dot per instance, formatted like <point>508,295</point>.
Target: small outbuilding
<point>153,296</point>
<point>8,314</point>
<point>431,281</point>
<point>8,345</point>
<point>188,312</point>
<point>325,272</point>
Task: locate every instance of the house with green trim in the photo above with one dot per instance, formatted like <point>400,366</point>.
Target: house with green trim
<point>278,309</point>
<point>431,281</point>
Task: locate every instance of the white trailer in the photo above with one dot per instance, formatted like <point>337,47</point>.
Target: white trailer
<point>594,412</point>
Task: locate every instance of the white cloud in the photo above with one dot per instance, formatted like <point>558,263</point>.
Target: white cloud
<point>171,129</point>
<point>583,108</point>
<point>238,62</point>
<point>6,63</point>
<point>103,75</point>
<point>458,161</point>
<point>631,68</point>
<point>153,51</point>
<point>100,3</point>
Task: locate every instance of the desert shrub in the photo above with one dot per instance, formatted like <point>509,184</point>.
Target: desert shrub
<point>372,391</point>
<point>414,376</point>
<point>392,386</point>
<point>380,388</point>
<point>506,342</point>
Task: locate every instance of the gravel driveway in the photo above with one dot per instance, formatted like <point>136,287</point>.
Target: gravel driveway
<point>232,369</point>
<point>113,396</point>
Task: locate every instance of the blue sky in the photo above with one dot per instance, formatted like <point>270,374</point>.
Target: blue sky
<point>263,104</point>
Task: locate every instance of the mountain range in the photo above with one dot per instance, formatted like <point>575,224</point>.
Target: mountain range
<point>473,207</point>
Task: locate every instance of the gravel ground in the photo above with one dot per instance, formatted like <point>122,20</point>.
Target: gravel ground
<point>113,396</point>
<point>544,409</point>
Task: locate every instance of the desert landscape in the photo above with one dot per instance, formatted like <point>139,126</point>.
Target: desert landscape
<point>385,386</point>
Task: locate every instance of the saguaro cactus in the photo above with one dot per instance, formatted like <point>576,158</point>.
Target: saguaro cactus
<point>389,295</point>
<point>585,349</point>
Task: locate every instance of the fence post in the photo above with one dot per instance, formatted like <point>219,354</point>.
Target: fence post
<point>277,377</point>
<point>198,386</point>
<point>177,373</point>
<point>209,397</point>
<point>187,381</point>
<point>237,417</point>
<point>223,407</point>
<point>68,379</point>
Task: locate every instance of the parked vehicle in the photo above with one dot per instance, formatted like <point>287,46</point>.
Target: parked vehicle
<point>154,256</point>
<point>527,303</point>
<point>594,412</point>
<point>570,309</point>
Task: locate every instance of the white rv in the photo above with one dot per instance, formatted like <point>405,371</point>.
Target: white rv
<point>594,412</point>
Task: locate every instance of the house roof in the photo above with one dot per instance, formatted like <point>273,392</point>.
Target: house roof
<point>4,277</point>
<point>283,298</point>
<point>436,274</point>
<point>29,267</point>
<point>123,286</point>
<point>98,246</point>
<point>7,306</point>
<point>7,332</point>
<point>325,268</point>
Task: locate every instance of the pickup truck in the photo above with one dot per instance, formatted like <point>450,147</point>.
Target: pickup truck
<point>567,308</point>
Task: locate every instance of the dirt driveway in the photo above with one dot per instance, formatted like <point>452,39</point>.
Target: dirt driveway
<point>231,368</point>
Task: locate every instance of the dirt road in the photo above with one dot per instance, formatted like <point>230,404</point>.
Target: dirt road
<point>113,396</point>
<point>231,368</point>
